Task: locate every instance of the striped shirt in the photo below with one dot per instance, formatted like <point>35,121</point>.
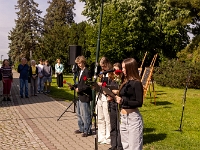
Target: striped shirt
<point>6,72</point>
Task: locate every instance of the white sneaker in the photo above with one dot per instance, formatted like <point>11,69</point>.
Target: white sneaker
<point>105,142</point>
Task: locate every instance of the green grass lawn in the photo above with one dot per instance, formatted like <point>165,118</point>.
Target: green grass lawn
<point>161,121</point>
<point>63,93</point>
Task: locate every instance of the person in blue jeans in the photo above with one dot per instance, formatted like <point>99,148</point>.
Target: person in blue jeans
<point>40,77</point>
<point>85,96</point>
<point>23,69</point>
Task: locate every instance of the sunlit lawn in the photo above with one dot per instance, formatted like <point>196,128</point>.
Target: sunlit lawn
<point>162,121</point>
<point>63,93</point>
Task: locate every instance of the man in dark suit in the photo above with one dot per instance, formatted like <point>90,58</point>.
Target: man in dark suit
<point>85,96</point>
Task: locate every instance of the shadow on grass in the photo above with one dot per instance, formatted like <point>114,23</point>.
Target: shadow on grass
<point>61,94</point>
<point>151,98</point>
<point>151,93</point>
<point>162,103</point>
<point>148,130</point>
<point>150,138</point>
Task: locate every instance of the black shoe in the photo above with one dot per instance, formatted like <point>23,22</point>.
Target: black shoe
<point>26,96</point>
<point>22,97</point>
<point>90,133</point>
<point>77,132</point>
<point>4,99</point>
<point>35,94</point>
<point>84,135</point>
<point>111,148</point>
<point>8,99</point>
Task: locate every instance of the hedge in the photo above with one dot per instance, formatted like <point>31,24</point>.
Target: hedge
<point>173,73</point>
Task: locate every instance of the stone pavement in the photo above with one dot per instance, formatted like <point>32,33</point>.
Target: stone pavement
<point>31,124</point>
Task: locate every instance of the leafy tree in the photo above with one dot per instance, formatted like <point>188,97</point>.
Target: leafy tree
<point>25,36</point>
<point>132,27</point>
<point>192,51</point>
<point>57,21</point>
<point>169,32</point>
<point>78,35</point>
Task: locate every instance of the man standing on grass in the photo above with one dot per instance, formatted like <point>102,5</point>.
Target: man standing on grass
<point>23,69</point>
<point>85,96</point>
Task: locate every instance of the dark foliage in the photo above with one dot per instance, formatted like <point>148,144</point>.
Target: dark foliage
<point>174,73</point>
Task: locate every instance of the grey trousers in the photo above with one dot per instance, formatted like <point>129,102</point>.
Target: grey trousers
<point>131,129</point>
<point>34,85</point>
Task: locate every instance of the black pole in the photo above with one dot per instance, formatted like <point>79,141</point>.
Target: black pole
<point>98,41</point>
<point>184,99</point>
<point>95,73</point>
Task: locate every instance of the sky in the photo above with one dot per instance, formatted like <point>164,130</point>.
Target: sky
<point>7,16</point>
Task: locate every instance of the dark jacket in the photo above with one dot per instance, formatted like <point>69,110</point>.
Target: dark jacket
<point>24,71</point>
<point>113,103</point>
<point>30,71</point>
<point>132,94</point>
<point>85,92</point>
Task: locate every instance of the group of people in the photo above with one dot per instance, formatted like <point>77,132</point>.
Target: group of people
<point>39,76</point>
<point>124,132</point>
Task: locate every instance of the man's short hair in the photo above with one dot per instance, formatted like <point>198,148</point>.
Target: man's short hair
<point>23,58</point>
<point>80,59</point>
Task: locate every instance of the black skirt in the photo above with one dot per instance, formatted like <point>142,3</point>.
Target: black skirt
<point>60,80</point>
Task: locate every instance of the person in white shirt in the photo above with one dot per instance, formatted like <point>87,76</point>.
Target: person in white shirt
<point>102,105</point>
<point>59,68</point>
<point>40,76</point>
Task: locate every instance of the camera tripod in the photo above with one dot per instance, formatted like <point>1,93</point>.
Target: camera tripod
<point>73,102</point>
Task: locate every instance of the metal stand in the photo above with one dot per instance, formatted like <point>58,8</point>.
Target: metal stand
<point>184,99</point>
<point>95,115</point>
<point>73,102</point>
<point>118,120</point>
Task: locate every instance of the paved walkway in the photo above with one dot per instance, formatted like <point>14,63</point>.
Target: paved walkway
<point>31,124</point>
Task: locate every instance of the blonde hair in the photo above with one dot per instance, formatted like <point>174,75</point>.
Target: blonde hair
<point>57,59</point>
<point>106,62</point>
<point>80,59</point>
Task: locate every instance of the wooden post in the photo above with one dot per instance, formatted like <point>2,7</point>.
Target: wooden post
<point>140,69</point>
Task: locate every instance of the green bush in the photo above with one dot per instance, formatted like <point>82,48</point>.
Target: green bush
<point>174,73</point>
<point>16,64</point>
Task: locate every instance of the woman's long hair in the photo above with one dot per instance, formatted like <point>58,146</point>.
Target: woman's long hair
<point>132,73</point>
<point>120,68</point>
<point>4,62</point>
